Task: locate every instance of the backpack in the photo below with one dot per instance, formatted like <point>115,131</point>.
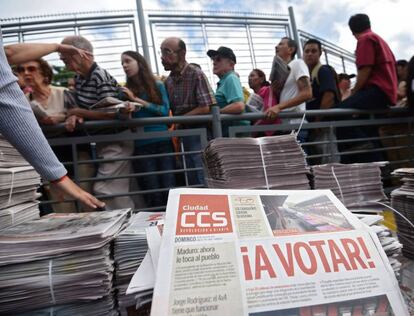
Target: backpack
<point>315,76</point>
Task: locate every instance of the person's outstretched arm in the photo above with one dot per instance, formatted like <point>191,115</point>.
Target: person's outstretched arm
<point>24,52</point>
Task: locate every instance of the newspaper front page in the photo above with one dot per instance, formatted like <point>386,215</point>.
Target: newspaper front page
<point>240,252</point>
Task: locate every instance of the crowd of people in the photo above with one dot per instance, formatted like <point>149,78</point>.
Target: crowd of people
<point>294,84</point>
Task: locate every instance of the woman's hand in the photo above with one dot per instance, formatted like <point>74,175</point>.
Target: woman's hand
<point>131,96</point>
<point>129,93</point>
<point>71,121</point>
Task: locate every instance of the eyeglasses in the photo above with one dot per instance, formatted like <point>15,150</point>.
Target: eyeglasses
<point>168,52</point>
<point>22,69</point>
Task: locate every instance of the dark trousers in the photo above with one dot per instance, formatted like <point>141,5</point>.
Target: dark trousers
<point>372,98</point>
<point>151,181</point>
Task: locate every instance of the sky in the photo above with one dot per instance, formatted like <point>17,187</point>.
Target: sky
<point>328,19</point>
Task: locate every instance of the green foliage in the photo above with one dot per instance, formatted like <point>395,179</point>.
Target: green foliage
<point>61,76</point>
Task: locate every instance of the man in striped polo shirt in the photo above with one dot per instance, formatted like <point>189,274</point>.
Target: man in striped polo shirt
<point>92,84</point>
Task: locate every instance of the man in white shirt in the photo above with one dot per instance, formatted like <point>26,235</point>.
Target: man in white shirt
<point>297,89</point>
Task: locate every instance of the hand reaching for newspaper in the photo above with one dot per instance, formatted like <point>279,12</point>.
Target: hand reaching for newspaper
<point>68,187</point>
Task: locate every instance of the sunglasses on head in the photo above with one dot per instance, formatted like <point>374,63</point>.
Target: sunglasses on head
<point>22,69</point>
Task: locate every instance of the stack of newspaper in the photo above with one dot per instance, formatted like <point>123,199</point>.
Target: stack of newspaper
<point>389,243</point>
<point>130,248</point>
<point>18,185</point>
<point>264,252</point>
<point>252,163</point>
<point>358,185</point>
<point>9,156</point>
<point>402,199</point>
<point>58,260</point>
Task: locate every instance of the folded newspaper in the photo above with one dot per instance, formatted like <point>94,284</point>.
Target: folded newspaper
<point>110,104</point>
<point>239,252</point>
<point>130,248</point>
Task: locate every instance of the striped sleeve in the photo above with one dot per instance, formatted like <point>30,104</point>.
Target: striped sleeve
<point>19,126</point>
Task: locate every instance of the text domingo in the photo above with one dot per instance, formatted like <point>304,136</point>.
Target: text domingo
<point>267,261</point>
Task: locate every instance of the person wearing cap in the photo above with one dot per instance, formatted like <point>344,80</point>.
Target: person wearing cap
<point>229,92</point>
<point>189,93</point>
<point>344,84</point>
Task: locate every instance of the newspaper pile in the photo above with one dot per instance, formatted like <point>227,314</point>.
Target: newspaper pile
<point>18,185</point>
<point>389,243</point>
<point>263,252</point>
<point>130,248</point>
<point>9,156</point>
<point>358,185</point>
<point>276,162</point>
<point>58,260</point>
<point>402,199</point>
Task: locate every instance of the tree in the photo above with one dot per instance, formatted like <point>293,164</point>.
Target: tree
<point>61,76</point>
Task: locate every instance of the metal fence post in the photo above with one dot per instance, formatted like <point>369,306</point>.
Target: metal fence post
<point>295,32</point>
<point>215,110</point>
<point>143,31</point>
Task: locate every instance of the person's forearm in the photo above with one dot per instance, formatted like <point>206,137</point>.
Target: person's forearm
<point>200,110</point>
<point>233,108</point>
<point>24,52</point>
<point>328,100</point>
<point>362,78</point>
<point>303,96</point>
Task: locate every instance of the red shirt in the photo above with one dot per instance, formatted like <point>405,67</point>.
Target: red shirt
<point>373,51</point>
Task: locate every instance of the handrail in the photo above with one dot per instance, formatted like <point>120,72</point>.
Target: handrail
<point>199,119</point>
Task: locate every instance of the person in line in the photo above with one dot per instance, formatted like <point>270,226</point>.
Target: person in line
<point>18,123</point>
<point>267,94</point>
<point>344,84</point>
<point>257,82</point>
<point>375,88</point>
<point>229,92</point>
<point>325,94</point>
<point>296,90</point>
<point>189,93</point>
<point>141,87</point>
<point>93,84</point>
<point>376,81</point>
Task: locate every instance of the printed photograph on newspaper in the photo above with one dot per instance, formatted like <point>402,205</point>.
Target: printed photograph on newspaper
<point>258,252</point>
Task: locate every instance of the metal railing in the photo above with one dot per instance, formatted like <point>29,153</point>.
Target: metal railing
<point>398,143</point>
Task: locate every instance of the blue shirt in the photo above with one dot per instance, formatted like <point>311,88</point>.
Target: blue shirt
<point>153,110</point>
<point>229,90</point>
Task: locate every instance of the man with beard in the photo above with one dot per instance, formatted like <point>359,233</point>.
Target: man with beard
<point>190,94</point>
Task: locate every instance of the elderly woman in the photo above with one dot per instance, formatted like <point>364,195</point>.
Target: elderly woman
<point>229,93</point>
<point>48,102</point>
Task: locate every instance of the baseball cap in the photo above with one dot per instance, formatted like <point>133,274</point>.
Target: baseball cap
<point>222,52</point>
<point>345,76</point>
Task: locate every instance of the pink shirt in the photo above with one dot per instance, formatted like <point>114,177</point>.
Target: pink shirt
<point>269,100</point>
<point>373,51</point>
